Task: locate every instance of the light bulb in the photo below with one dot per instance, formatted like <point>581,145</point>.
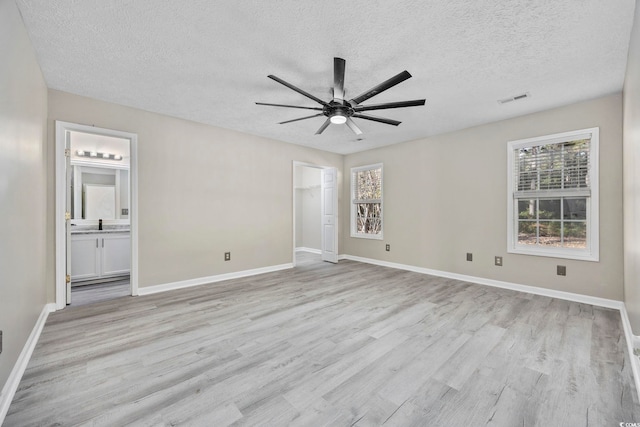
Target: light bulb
<point>338,119</point>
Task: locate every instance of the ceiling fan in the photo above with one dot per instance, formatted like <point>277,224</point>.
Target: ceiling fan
<point>339,110</point>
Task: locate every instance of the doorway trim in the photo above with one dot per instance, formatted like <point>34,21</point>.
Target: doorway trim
<point>61,129</point>
<point>293,186</point>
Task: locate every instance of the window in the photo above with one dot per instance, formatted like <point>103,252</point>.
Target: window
<point>553,195</point>
<point>366,206</point>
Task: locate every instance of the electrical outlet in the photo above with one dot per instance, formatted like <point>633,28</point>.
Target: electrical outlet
<point>227,256</point>
<point>387,247</point>
<point>469,256</point>
<point>499,261</point>
<point>561,270</point>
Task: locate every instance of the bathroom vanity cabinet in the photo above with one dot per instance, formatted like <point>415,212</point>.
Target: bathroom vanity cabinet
<point>98,255</point>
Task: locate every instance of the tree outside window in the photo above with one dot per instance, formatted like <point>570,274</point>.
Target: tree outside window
<point>366,208</point>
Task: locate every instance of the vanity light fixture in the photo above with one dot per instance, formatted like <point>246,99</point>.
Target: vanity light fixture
<point>98,154</point>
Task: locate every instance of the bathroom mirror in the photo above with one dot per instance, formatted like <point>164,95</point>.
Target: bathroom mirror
<point>99,192</point>
<point>100,179</point>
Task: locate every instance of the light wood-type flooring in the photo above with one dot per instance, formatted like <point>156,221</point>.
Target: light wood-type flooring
<point>336,345</point>
<point>98,292</point>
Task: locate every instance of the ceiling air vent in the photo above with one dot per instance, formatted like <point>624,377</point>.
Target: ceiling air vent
<point>514,98</point>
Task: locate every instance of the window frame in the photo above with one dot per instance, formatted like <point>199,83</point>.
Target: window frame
<point>592,250</point>
<point>354,232</point>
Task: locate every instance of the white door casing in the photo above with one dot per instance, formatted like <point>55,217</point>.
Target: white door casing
<point>62,244</point>
<point>67,222</point>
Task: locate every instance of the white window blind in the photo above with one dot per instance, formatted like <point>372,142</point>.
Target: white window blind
<point>553,168</point>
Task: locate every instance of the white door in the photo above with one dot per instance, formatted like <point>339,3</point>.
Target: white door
<point>329,207</point>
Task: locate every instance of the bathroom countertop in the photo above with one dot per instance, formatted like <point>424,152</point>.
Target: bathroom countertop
<point>96,231</point>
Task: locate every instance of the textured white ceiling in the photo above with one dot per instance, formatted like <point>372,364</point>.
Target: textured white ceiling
<point>208,61</point>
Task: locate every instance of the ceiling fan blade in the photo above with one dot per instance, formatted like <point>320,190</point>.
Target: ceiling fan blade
<point>300,91</point>
<point>353,126</point>
<point>289,106</point>
<point>377,119</point>
<point>401,104</point>
<point>338,78</point>
<point>398,78</point>
<point>301,118</point>
<point>323,127</point>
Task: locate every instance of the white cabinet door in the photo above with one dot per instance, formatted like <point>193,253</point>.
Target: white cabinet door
<point>116,254</point>
<point>85,257</point>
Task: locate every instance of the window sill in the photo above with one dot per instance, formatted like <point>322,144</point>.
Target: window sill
<point>556,253</point>
<point>367,236</point>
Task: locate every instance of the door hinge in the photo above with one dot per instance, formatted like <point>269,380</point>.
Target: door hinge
<point>68,278</point>
<point>67,216</point>
<point>67,152</point>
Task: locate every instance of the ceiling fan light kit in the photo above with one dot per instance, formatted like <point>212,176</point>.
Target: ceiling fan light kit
<point>340,111</point>
<point>338,118</point>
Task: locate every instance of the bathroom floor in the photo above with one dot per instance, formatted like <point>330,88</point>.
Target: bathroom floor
<point>90,294</point>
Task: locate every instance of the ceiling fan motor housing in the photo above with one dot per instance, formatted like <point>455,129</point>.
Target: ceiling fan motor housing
<point>337,112</point>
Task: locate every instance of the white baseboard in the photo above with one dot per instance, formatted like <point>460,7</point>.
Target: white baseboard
<point>632,340</point>
<point>585,299</point>
<point>342,256</point>
<point>310,250</point>
<point>148,290</point>
<point>10,387</point>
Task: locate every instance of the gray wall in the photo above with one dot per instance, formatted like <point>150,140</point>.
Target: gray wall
<point>100,179</point>
<point>124,192</point>
<point>446,195</point>
<point>23,201</point>
<point>202,191</point>
<point>631,120</point>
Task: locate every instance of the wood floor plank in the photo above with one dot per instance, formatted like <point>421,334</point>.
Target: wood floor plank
<point>337,345</point>
<point>468,357</point>
<point>94,293</point>
<point>415,372</point>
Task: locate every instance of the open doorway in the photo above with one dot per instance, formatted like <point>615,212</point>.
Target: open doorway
<point>96,218</point>
<point>315,220</point>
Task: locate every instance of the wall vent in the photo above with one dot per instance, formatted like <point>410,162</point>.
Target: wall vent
<point>514,98</point>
